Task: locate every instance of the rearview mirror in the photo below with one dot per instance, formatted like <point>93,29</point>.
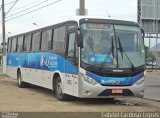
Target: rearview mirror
<point>80,40</point>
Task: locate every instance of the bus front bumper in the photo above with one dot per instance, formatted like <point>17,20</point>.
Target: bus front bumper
<point>99,91</point>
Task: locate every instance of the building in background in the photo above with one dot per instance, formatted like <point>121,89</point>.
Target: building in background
<point>148,13</point>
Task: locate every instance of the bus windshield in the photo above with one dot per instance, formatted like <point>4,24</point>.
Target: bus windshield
<point>112,46</point>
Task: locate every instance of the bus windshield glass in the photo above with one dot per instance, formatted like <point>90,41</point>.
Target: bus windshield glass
<point>112,46</point>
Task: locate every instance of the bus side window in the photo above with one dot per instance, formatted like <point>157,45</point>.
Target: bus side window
<point>27,42</point>
<point>71,45</point>
<point>46,40</point>
<point>14,45</point>
<point>9,45</point>
<point>55,39</point>
<point>36,41</point>
<point>59,39</point>
<point>20,44</point>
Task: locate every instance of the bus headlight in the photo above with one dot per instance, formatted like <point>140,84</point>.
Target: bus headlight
<point>88,79</point>
<point>140,81</point>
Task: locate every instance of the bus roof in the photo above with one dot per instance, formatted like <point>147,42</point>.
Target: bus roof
<point>73,18</point>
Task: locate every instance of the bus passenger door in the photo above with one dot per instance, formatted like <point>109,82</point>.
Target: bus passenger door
<point>70,69</point>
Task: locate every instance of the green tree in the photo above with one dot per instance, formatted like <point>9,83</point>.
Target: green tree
<point>149,55</point>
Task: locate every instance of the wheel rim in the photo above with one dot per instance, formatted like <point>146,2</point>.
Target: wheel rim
<point>59,88</point>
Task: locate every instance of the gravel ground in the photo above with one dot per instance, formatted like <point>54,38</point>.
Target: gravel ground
<point>37,99</point>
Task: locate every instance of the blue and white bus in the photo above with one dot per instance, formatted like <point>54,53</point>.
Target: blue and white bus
<point>82,57</point>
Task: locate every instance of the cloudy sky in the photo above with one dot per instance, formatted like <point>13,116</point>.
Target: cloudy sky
<point>118,9</point>
<point>121,9</point>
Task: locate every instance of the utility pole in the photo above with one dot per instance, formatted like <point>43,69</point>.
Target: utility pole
<point>82,7</point>
<point>156,32</point>
<point>4,38</point>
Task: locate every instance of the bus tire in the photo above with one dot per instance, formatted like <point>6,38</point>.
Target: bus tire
<point>20,83</point>
<point>58,90</point>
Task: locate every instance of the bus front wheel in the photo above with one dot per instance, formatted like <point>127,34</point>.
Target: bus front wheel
<point>58,90</point>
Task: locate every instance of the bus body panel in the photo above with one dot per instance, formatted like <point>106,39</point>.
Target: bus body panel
<point>39,69</point>
<point>12,71</point>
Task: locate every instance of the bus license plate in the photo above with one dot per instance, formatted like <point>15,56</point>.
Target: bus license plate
<point>117,91</point>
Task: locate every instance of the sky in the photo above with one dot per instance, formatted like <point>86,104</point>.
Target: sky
<point>117,9</point>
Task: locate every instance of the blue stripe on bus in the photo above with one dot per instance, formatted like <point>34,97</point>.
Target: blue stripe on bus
<point>42,61</point>
<point>115,81</point>
<point>52,62</point>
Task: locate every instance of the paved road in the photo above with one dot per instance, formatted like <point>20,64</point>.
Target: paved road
<point>153,85</point>
<point>37,99</point>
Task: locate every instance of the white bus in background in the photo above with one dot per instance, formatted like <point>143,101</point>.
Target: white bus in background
<point>83,57</point>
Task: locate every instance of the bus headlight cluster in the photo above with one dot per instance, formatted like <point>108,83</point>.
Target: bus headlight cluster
<point>140,81</point>
<point>88,80</point>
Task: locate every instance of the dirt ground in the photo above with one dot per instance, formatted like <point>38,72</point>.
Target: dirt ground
<point>37,99</point>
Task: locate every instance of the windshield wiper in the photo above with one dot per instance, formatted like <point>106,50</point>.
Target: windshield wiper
<point>122,50</point>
